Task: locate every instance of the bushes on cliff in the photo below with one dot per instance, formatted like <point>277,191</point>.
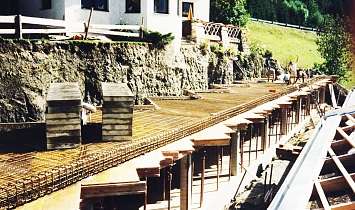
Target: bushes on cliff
<point>157,39</point>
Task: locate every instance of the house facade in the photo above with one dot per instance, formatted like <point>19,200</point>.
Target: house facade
<point>165,16</point>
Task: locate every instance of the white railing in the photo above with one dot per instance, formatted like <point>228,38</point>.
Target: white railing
<point>51,26</point>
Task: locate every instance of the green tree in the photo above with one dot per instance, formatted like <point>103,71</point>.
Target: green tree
<point>229,11</point>
<point>334,45</point>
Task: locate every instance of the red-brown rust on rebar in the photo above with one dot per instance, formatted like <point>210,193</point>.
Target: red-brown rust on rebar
<point>93,158</point>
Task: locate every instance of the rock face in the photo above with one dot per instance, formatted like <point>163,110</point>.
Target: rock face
<point>28,67</point>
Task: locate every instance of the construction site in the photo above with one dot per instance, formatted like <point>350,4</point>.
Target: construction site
<point>196,151</point>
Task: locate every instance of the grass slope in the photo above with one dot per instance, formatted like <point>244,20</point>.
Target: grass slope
<point>285,43</point>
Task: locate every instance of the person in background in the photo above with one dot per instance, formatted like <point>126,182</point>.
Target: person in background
<point>278,67</point>
<point>266,66</point>
<point>271,74</point>
<point>293,70</point>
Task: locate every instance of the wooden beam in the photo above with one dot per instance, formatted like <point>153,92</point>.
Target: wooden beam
<point>334,184</point>
<point>173,154</point>
<point>346,137</point>
<point>125,172</point>
<point>168,161</point>
<point>342,169</point>
<point>182,147</point>
<point>350,117</point>
<point>347,160</point>
<point>148,165</point>
<point>341,145</point>
<point>114,189</point>
<point>344,206</point>
<point>321,195</point>
<point>332,95</point>
<point>210,139</point>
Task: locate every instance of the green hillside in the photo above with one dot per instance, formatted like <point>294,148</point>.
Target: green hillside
<point>285,43</point>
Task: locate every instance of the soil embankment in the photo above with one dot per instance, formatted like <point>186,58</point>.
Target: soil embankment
<point>28,67</point>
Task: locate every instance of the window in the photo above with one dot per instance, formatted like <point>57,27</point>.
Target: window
<point>46,4</point>
<point>161,6</point>
<point>101,5</point>
<point>133,6</point>
<point>186,7</point>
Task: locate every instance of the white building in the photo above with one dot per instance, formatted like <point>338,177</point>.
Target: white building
<point>164,16</point>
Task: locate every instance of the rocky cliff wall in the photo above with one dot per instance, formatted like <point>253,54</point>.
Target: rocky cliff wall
<point>28,67</point>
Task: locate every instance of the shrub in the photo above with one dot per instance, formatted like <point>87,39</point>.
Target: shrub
<point>157,39</point>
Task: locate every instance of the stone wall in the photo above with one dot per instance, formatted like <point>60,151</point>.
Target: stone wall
<point>28,67</point>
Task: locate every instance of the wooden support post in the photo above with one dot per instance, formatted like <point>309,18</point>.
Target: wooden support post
<point>145,194</point>
<point>322,95</point>
<point>230,158</point>
<point>242,151</point>
<point>270,128</point>
<point>18,21</point>
<point>257,139</point>
<point>277,120</point>
<point>283,130</point>
<point>170,178</point>
<point>202,176</point>
<point>163,186</point>
<point>185,183</point>
<point>141,28</point>
<point>235,150</point>
<point>264,132</point>
<point>298,109</point>
<point>218,165</point>
<point>308,104</point>
<point>250,137</point>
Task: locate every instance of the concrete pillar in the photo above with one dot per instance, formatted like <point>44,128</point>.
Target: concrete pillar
<point>185,182</point>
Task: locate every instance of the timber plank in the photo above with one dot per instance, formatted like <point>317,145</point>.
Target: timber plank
<point>148,165</point>
<point>114,189</point>
<point>64,92</point>
<point>342,169</point>
<point>123,173</point>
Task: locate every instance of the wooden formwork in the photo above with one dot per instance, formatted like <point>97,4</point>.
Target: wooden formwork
<point>57,169</point>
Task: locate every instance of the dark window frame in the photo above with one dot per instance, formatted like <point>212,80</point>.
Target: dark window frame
<point>133,6</point>
<point>161,6</point>
<point>46,4</point>
<point>185,13</point>
<point>87,4</point>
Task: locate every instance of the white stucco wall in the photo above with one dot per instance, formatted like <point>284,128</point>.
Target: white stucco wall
<point>164,23</point>
<point>33,8</point>
<point>74,12</point>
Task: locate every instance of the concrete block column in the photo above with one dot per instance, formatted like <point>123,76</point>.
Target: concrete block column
<point>185,182</point>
